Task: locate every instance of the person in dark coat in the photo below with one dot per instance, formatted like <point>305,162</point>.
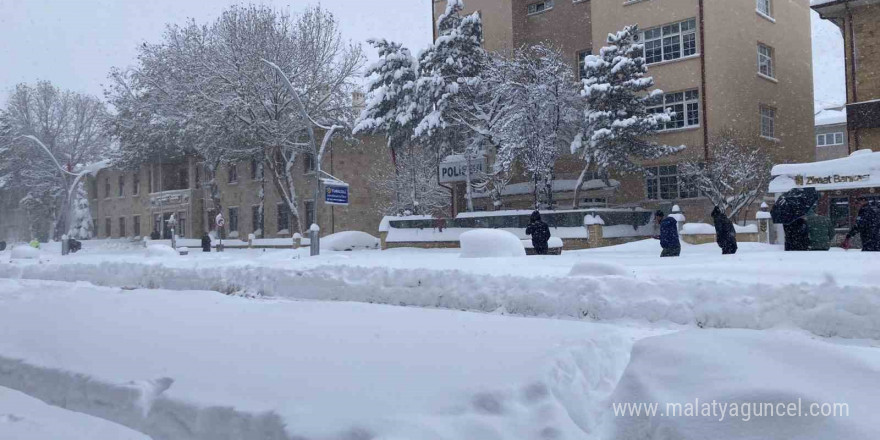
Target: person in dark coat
<point>540,233</point>
<point>725,233</point>
<point>668,235</point>
<point>2,245</point>
<point>74,245</point>
<point>797,235</point>
<point>867,227</point>
<point>155,235</point>
<point>206,242</point>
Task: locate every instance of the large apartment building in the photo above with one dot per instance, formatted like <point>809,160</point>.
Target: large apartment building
<point>724,65</point>
<point>859,20</point>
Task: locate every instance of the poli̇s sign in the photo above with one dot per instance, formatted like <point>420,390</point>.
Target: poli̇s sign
<point>456,171</point>
<point>336,193</point>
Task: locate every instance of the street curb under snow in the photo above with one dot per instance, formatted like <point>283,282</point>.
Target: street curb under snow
<point>825,309</point>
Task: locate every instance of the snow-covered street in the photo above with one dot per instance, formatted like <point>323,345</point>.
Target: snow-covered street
<point>273,344</point>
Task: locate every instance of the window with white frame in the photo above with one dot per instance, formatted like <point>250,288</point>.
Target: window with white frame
<point>233,219</point>
<point>233,173</point>
<point>685,107</point>
<point>765,60</point>
<point>670,42</point>
<point>582,63</point>
<point>829,139</point>
<point>537,8</point>
<point>665,183</point>
<point>764,7</point>
<point>768,122</point>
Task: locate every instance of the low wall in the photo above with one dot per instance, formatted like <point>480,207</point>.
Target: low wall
<point>742,237</point>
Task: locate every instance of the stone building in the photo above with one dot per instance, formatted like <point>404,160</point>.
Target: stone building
<point>743,65</point>
<point>136,203</point>
<point>858,20</point>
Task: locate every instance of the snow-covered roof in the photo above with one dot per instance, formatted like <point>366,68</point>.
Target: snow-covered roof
<point>831,117</point>
<point>859,170</point>
<point>93,168</point>
<point>384,225</point>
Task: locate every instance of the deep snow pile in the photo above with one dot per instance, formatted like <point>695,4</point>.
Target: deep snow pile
<point>488,243</point>
<point>25,418</point>
<point>199,365</point>
<point>160,251</point>
<point>741,368</point>
<point>25,252</point>
<point>349,241</point>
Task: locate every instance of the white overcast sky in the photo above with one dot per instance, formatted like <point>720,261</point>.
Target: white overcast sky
<point>74,43</point>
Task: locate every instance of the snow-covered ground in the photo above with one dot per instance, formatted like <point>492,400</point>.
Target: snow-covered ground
<point>318,347</point>
<point>25,418</point>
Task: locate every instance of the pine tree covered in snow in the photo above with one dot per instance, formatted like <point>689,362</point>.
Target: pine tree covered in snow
<point>737,173</point>
<point>617,122</point>
<point>81,227</point>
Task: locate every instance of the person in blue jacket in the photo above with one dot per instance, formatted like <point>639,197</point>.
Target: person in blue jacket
<point>668,235</point>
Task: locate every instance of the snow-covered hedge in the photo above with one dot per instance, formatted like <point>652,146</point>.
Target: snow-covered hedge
<point>487,243</point>
<point>349,241</point>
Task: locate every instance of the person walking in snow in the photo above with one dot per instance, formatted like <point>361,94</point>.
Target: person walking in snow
<point>867,227</point>
<point>540,233</point>
<point>668,235</point>
<point>797,235</point>
<point>206,242</point>
<point>725,233</point>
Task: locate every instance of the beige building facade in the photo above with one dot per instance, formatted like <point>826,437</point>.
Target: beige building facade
<point>859,20</point>
<point>137,203</point>
<point>742,66</point>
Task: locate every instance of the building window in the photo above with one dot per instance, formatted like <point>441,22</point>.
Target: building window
<point>121,226</point>
<point>150,179</point>
<point>664,183</point>
<point>233,219</point>
<point>764,7</point>
<point>136,183</point>
<point>765,60</point>
<point>256,220</point>
<point>670,42</point>
<point>595,202</point>
<point>310,211</point>
<point>107,232</point>
<point>839,212</point>
<point>181,224</point>
<point>256,170</point>
<point>582,62</point>
<point>121,191</point>
<point>233,173</point>
<point>106,187</point>
<point>537,8</point>
<point>136,225</point>
<point>829,139</point>
<point>768,122</point>
<point>283,218</point>
<point>685,107</point>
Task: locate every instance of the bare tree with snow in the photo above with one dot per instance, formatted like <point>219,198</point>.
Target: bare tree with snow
<point>736,174</point>
<point>616,123</point>
<point>215,89</point>
<point>68,128</point>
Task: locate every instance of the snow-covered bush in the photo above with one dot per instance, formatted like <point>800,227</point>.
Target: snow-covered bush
<point>486,243</point>
<point>160,250</point>
<point>25,252</point>
<point>349,241</point>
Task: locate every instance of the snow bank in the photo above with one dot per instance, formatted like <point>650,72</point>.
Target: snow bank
<point>291,371</point>
<point>598,269</point>
<point>25,252</point>
<point>697,229</point>
<point>488,243</point>
<point>742,367</point>
<point>25,418</point>
<point>160,251</point>
<point>825,308</point>
<point>349,240</point>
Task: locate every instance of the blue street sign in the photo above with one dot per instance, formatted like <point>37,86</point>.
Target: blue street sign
<point>335,194</point>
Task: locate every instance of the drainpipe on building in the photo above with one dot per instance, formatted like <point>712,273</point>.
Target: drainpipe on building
<point>703,80</point>
<point>852,68</point>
